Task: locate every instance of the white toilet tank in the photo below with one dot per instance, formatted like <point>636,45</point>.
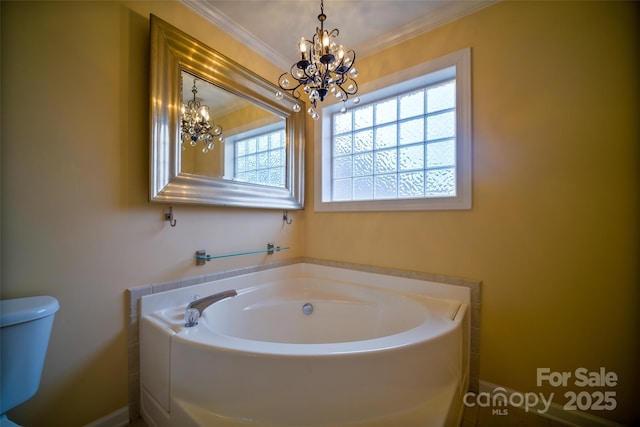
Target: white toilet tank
<point>25,327</point>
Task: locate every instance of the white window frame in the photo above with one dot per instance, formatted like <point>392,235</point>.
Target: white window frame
<point>458,65</point>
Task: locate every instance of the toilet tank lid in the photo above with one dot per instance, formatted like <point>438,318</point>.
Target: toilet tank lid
<point>20,310</point>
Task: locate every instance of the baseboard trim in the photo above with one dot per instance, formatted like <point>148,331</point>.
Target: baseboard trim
<point>556,412</point>
<point>119,418</point>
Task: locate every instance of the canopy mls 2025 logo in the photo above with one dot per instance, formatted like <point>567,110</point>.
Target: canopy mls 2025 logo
<point>598,397</point>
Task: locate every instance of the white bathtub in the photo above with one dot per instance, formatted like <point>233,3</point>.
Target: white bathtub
<point>376,350</point>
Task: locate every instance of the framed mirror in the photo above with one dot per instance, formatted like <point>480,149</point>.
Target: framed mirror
<point>219,136</point>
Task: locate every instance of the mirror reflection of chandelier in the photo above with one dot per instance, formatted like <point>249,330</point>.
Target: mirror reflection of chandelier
<point>325,67</point>
<point>196,126</point>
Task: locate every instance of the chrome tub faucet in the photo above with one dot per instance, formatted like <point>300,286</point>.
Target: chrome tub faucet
<point>195,308</point>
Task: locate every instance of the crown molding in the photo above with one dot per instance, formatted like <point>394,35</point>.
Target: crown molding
<point>448,12</point>
<point>222,21</point>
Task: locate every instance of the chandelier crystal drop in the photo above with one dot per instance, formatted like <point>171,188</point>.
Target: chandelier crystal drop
<point>325,68</point>
<point>195,125</point>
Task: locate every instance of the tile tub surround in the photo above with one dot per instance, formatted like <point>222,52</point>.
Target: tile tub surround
<point>133,296</point>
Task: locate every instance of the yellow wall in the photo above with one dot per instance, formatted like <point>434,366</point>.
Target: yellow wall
<point>553,231</point>
<point>76,221</point>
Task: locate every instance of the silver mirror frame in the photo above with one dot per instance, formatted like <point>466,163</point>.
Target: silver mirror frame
<point>173,51</point>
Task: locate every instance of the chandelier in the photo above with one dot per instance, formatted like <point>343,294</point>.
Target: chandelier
<point>324,68</point>
<point>196,126</point>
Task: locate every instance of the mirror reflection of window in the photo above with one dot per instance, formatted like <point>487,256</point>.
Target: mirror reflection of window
<point>258,156</point>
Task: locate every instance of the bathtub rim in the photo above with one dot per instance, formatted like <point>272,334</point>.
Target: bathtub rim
<point>432,316</point>
<point>203,336</point>
<point>430,287</point>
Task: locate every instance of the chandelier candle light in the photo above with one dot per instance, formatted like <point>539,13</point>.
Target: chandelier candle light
<point>196,126</point>
<point>325,67</point>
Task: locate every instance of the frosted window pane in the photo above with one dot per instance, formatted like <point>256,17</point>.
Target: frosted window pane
<point>251,146</point>
<point>276,158</point>
<point>342,145</point>
<point>342,167</point>
<point>441,153</point>
<point>263,143</point>
<point>363,117</point>
<point>411,184</point>
<point>342,122</point>
<point>363,141</point>
<point>441,126</point>
<point>251,162</point>
<point>363,188</point>
<point>276,140</point>
<point>241,164</point>
<point>263,176</point>
<point>386,187</point>
<point>441,182</point>
<point>386,136</point>
<point>412,104</point>
<point>363,164</point>
<point>277,177</point>
<point>386,161</point>
<point>387,111</point>
<point>412,158</point>
<point>263,160</point>
<point>412,131</point>
<point>441,97</point>
<point>241,148</point>
<point>342,189</point>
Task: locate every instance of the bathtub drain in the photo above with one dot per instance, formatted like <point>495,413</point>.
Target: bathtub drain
<point>307,309</point>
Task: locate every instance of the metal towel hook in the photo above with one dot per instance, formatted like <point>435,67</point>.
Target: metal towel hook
<point>168,216</point>
<point>286,219</point>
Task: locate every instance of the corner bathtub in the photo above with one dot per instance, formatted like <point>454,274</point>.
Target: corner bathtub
<point>376,350</point>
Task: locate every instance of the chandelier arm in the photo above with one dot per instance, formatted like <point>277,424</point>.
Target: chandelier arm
<point>355,87</point>
<point>327,77</point>
<point>291,74</point>
<point>280,79</point>
<point>294,91</point>
<point>345,94</point>
<point>288,89</point>
<point>309,77</point>
<point>353,60</point>
<point>292,69</point>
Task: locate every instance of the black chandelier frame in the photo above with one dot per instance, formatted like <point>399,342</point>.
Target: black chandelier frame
<point>319,72</point>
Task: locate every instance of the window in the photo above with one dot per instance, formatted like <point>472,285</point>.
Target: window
<point>406,146</point>
<point>259,157</point>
